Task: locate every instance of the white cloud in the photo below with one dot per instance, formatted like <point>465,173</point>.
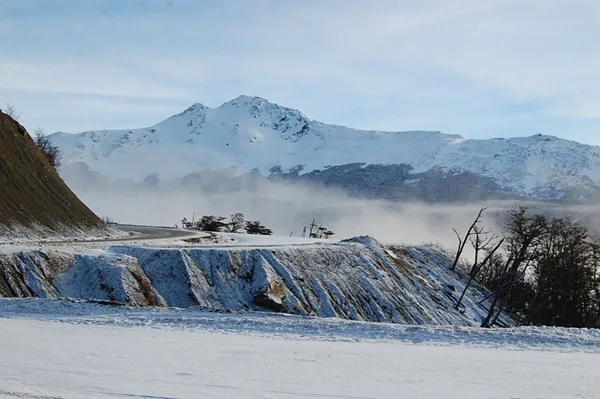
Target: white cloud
<point>464,67</point>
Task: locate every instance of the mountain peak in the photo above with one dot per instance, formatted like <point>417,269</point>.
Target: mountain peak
<point>250,132</point>
<point>194,108</point>
<point>246,100</point>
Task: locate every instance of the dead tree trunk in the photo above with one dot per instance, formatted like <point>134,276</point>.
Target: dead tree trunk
<point>486,322</point>
<point>505,298</point>
<point>476,270</point>
<point>463,242</point>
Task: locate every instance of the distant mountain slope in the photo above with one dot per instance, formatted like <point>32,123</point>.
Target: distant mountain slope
<point>251,133</point>
<point>33,197</point>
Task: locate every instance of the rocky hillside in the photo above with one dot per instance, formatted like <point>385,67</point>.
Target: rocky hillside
<point>33,198</point>
<point>251,133</point>
<point>357,280</point>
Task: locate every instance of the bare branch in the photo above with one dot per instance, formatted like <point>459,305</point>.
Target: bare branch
<point>476,270</point>
<point>10,110</point>
<point>462,242</point>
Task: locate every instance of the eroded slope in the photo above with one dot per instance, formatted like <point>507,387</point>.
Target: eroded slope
<point>360,280</point>
<point>33,197</point>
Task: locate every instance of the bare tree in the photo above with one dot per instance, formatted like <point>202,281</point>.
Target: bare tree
<point>523,236</point>
<point>10,110</point>
<point>185,224</point>
<point>318,231</point>
<point>562,276</point>
<point>476,269</point>
<point>312,226</point>
<point>237,222</point>
<point>513,282</point>
<point>496,294</point>
<point>462,242</point>
<point>481,241</point>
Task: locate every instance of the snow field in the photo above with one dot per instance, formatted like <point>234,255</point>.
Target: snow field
<point>49,359</point>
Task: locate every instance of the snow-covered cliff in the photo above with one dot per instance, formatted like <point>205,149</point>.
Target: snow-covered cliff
<point>357,280</point>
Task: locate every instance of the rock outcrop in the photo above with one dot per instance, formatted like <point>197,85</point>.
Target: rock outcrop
<point>362,280</point>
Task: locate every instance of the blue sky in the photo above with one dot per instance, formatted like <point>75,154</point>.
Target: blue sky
<point>479,68</point>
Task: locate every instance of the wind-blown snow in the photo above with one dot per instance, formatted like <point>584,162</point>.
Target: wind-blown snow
<point>250,132</point>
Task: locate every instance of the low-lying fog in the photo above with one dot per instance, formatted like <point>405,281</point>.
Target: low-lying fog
<point>287,208</point>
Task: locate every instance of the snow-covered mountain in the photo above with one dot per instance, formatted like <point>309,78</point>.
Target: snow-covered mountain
<point>252,133</point>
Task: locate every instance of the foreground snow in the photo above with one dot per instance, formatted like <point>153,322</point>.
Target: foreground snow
<point>68,349</point>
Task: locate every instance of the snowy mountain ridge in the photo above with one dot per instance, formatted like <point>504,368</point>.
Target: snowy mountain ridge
<point>252,133</point>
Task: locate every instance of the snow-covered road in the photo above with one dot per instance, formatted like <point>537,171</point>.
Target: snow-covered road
<point>104,352</point>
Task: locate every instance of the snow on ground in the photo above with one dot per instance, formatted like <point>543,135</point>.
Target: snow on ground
<point>254,240</point>
<point>67,349</point>
<point>64,348</point>
<point>82,243</point>
<point>301,327</point>
<point>19,235</point>
<point>40,235</point>
<point>358,280</point>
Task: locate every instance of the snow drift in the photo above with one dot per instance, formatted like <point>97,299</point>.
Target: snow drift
<point>357,280</point>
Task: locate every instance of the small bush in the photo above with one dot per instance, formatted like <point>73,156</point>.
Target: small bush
<point>51,152</point>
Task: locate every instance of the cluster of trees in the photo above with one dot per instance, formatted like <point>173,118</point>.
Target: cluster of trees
<point>318,231</point>
<point>546,271</point>
<point>235,224</point>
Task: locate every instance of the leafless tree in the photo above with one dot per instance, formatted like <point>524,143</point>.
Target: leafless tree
<point>477,268</point>
<point>237,222</point>
<point>185,224</point>
<point>10,110</point>
<point>523,234</point>
<point>481,241</point>
<point>462,241</point>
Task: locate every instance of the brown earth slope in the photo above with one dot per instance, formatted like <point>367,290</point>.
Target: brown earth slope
<point>32,194</point>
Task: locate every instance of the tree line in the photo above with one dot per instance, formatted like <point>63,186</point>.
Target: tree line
<point>545,271</point>
<point>235,224</point>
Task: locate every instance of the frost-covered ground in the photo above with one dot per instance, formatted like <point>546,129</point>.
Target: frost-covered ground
<point>18,235</point>
<point>357,280</point>
<point>68,349</point>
